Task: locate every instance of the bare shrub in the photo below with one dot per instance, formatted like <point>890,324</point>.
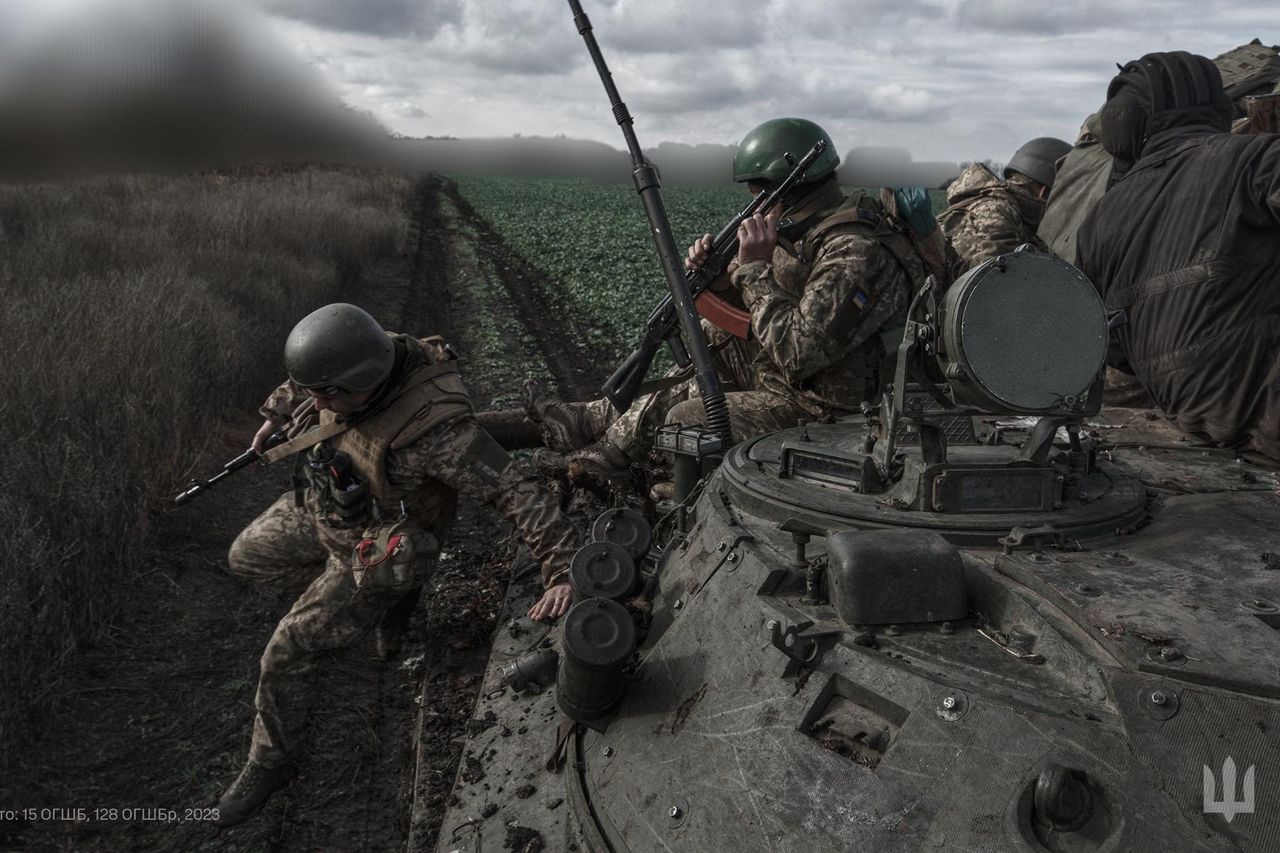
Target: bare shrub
<point>139,310</point>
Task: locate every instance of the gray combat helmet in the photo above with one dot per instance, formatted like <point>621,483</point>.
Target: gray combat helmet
<point>339,346</point>
<point>1035,159</point>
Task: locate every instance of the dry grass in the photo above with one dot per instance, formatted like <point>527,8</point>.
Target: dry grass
<point>138,312</point>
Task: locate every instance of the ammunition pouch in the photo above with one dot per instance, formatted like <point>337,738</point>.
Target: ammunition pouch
<point>338,497</point>
<point>396,556</point>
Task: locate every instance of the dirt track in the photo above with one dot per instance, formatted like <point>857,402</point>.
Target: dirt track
<point>157,720</point>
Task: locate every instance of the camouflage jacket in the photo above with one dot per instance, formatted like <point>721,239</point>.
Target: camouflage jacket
<point>986,216</point>
<point>818,311</point>
<point>433,466</point>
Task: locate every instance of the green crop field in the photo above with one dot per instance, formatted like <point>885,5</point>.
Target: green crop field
<point>592,240</point>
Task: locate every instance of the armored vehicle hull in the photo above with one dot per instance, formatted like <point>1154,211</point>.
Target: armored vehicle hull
<point>1109,682</point>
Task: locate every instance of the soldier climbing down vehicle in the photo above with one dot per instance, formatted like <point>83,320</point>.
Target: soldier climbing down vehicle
<point>384,439</point>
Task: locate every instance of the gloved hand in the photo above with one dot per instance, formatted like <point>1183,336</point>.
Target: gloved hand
<point>915,209</point>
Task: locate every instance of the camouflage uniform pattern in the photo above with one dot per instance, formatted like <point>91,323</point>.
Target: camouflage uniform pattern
<point>281,550</point>
<point>987,217</point>
<point>290,549</point>
<point>635,430</point>
<point>282,402</point>
<point>818,322</point>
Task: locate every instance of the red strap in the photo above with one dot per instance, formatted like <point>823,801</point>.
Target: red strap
<point>733,320</point>
<point>393,545</point>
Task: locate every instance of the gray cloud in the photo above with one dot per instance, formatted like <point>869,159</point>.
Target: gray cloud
<point>515,37</point>
<point>1045,19</point>
<point>672,26</point>
<point>388,18</point>
<point>961,79</point>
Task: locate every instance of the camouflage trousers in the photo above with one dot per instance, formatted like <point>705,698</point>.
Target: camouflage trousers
<point>751,413</point>
<point>285,549</point>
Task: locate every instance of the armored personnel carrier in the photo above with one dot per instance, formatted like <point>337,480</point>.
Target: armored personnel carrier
<point>989,615</point>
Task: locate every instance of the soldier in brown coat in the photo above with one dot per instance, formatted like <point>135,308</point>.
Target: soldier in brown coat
<point>384,439</point>
<point>1186,243</point>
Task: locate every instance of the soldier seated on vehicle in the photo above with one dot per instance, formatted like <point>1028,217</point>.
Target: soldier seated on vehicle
<point>824,277</point>
<point>385,438</point>
<point>987,216</point>
<point>1249,72</point>
<point>1186,242</point>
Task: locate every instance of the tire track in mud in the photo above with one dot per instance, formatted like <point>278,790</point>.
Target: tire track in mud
<point>578,366</point>
<point>159,717</point>
<point>458,292</point>
<point>458,289</point>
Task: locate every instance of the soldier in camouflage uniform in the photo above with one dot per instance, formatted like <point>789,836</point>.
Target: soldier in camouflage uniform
<point>823,276</point>
<point>987,216</point>
<point>385,438</point>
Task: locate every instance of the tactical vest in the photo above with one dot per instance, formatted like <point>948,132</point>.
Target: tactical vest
<point>859,375</point>
<point>429,395</point>
<point>859,214</point>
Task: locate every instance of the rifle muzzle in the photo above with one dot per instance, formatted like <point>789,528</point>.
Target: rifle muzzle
<point>192,490</point>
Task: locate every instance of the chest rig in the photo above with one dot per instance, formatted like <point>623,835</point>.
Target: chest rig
<point>341,470</point>
<point>858,375</point>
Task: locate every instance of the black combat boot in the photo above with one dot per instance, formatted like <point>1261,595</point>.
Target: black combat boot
<point>565,427</point>
<point>252,788</point>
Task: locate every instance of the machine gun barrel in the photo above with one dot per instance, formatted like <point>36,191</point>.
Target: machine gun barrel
<point>648,185</point>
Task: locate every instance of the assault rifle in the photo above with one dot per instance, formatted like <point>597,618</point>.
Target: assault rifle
<point>244,460</point>
<point>622,386</point>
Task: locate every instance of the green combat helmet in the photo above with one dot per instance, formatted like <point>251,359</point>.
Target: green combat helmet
<point>1036,159</point>
<point>761,155</point>
<point>339,348</point>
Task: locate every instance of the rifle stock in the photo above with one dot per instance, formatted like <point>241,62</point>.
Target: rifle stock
<point>621,387</point>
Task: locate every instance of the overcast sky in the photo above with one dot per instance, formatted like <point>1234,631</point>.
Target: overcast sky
<point>947,79</point>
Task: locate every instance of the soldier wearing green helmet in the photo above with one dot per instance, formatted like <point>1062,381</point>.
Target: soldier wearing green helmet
<point>761,156</point>
<point>822,276</point>
<point>384,439</point>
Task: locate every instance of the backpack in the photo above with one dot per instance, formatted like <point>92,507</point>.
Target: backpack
<point>1250,69</point>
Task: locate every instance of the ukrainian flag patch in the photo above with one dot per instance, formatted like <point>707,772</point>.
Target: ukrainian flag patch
<point>860,298</point>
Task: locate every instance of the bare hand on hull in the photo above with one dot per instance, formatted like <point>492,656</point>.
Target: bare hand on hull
<point>553,604</point>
